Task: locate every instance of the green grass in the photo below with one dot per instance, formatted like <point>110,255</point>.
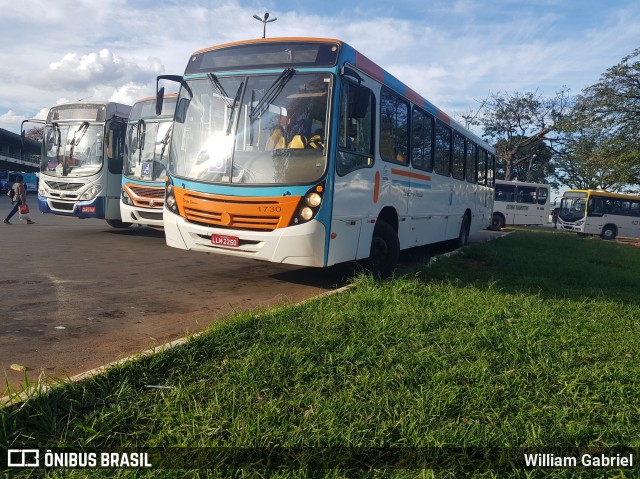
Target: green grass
<point>529,341</point>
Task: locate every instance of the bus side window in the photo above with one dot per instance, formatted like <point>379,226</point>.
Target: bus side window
<point>115,147</point>
<point>595,207</point>
<point>355,137</point>
<point>526,194</point>
<point>543,195</point>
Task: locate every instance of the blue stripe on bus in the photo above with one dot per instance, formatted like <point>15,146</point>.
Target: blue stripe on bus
<point>409,184</point>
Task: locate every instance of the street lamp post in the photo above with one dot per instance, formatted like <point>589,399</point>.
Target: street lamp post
<point>264,21</point>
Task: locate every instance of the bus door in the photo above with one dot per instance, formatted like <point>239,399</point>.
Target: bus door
<point>526,211</point>
<point>356,185</point>
<point>114,158</point>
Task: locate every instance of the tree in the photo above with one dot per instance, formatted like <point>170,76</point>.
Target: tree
<point>521,125</point>
<point>36,133</point>
<point>602,132</point>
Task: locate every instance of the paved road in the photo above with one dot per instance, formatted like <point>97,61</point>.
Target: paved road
<point>78,294</point>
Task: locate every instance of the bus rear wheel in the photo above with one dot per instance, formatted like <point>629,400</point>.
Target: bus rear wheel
<point>465,226</point>
<point>608,232</point>
<point>385,249</point>
<point>118,224</point>
<point>497,222</point>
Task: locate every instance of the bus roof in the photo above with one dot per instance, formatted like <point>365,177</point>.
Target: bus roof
<point>153,98</point>
<point>360,61</point>
<point>523,183</point>
<point>604,193</point>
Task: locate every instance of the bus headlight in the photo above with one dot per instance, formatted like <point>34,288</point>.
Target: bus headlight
<point>170,198</point>
<point>313,199</point>
<point>309,206</point>
<point>91,193</point>
<point>580,222</point>
<point>306,213</point>
<point>126,199</point>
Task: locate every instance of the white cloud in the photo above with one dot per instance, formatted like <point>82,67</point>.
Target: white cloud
<point>451,52</point>
<point>78,72</point>
<point>9,119</point>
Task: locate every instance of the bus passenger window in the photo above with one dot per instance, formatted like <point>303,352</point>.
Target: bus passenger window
<point>526,194</point>
<point>355,137</point>
<point>394,127</point>
<point>443,149</point>
<point>543,195</point>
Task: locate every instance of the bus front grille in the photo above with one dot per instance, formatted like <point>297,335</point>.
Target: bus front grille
<point>234,212</point>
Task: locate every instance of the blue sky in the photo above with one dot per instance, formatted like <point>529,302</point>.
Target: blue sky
<point>452,52</point>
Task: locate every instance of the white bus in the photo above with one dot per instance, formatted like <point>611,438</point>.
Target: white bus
<point>81,162</point>
<point>597,212</point>
<point>303,151</point>
<point>145,161</point>
<point>520,203</point>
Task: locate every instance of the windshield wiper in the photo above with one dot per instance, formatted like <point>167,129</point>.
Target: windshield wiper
<point>82,129</point>
<point>165,142</point>
<point>219,88</point>
<point>140,137</point>
<point>273,91</point>
<point>232,108</point>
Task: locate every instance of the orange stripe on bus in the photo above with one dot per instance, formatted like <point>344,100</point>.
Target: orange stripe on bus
<point>270,40</point>
<point>409,174</point>
<point>376,187</point>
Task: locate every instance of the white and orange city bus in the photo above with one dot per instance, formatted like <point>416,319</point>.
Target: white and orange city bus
<point>145,161</point>
<point>303,151</point>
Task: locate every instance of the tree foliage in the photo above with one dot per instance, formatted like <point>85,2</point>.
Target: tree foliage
<point>522,127</point>
<point>602,132</point>
<point>36,133</point>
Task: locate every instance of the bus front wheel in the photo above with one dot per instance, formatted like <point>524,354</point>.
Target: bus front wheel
<point>608,232</point>
<point>118,224</point>
<point>497,222</point>
<point>385,249</point>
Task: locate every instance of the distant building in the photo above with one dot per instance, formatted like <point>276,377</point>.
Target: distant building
<point>14,156</point>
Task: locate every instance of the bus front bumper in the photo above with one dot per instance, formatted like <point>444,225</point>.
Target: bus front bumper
<point>141,216</point>
<point>301,245</point>
<point>79,209</point>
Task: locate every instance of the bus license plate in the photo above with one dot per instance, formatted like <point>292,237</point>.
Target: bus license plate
<point>224,240</point>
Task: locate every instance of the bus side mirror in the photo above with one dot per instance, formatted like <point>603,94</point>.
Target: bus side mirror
<point>159,101</point>
<point>181,110</point>
<point>360,105</point>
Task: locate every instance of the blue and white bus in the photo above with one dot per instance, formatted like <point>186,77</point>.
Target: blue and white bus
<point>145,161</point>
<point>82,159</point>
<point>303,151</point>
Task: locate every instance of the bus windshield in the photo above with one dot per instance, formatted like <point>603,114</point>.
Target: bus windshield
<point>572,207</point>
<point>146,150</point>
<point>72,149</point>
<point>266,129</point>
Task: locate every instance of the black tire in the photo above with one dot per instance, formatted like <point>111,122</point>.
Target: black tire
<point>465,226</point>
<point>118,224</point>
<point>609,232</point>
<point>385,249</point>
<point>497,222</point>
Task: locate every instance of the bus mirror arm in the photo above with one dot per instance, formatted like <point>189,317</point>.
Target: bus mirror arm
<point>23,135</point>
<point>160,91</point>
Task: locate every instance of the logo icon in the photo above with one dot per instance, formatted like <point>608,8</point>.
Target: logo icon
<point>23,458</point>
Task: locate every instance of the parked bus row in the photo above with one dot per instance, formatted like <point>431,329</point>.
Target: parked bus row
<point>299,151</point>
